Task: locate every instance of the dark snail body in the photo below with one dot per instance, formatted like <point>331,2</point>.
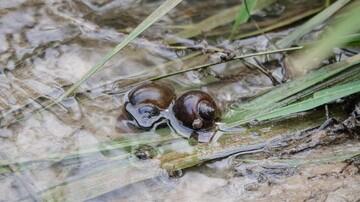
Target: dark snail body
<point>146,102</point>
<point>196,110</point>
<point>125,124</point>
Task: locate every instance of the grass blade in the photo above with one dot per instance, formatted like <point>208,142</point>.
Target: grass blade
<point>222,18</point>
<point>310,58</point>
<point>280,96</point>
<point>311,24</point>
<point>300,84</point>
<point>243,14</point>
<point>278,24</point>
<point>318,99</point>
<point>125,143</point>
<point>151,19</point>
<point>113,176</point>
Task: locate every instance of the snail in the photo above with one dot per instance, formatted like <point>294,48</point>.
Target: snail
<point>146,102</point>
<point>196,110</point>
<point>192,115</point>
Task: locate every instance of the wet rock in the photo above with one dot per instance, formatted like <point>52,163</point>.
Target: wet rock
<point>251,186</point>
<point>144,152</point>
<point>5,133</point>
<point>264,171</point>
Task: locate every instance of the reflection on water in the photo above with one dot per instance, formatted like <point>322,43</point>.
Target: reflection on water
<point>73,151</point>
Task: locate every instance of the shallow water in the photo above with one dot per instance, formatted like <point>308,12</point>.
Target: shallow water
<point>45,46</point>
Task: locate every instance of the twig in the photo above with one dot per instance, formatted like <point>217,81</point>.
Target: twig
<point>222,61</point>
<point>261,69</point>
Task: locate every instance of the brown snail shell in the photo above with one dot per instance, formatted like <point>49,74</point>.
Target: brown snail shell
<point>155,94</point>
<point>146,102</point>
<point>196,110</point>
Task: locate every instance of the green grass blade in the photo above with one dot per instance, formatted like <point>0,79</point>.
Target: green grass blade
<point>151,19</point>
<point>311,57</point>
<point>243,14</point>
<point>301,84</point>
<point>100,181</point>
<point>318,99</point>
<point>311,24</point>
<point>286,93</point>
<point>222,18</point>
<point>136,139</point>
<point>278,24</point>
